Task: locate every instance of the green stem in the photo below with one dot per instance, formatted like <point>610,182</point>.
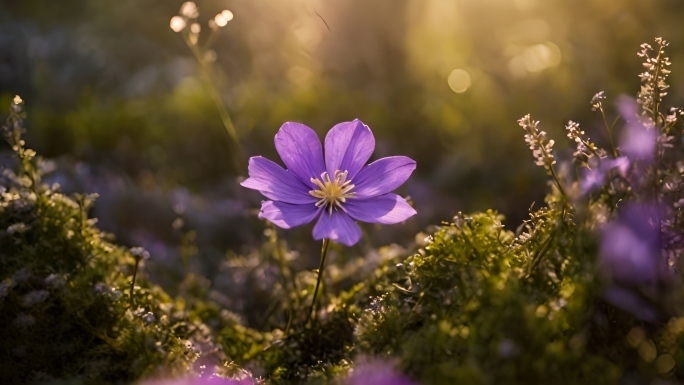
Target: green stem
<point>558,183</point>
<point>321,266</point>
<point>285,269</point>
<point>538,256</point>
<point>610,132</point>
<point>135,273</point>
<point>656,90</point>
<point>223,112</point>
<point>553,172</point>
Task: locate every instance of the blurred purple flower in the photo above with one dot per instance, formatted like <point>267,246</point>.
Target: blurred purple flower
<point>199,380</point>
<point>631,301</point>
<point>591,179</point>
<point>629,252</point>
<point>630,257</point>
<point>376,372</point>
<point>637,140</point>
<point>311,188</point>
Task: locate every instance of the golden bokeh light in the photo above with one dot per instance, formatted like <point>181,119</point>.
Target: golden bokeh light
<point>459,80</point>
<point>534,58</point>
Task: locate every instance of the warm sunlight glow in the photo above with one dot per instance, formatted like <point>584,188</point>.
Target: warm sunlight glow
<point>541,56</point>
<point>533,59</point>
<point>309,34</point>
<point>459,80</point>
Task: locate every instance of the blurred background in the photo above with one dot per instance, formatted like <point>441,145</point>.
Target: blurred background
<point>120,103</point>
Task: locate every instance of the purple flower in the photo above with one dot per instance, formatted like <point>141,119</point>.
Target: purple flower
<point>629,251</point>
<point>199,380</point>
<point>630,257</point>
<point>637,140</point>
<point>339,191</point>
<point>594,178</point>
<point>376,372</point>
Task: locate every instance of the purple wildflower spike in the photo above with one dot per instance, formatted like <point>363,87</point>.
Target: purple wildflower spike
<point>338,189</point>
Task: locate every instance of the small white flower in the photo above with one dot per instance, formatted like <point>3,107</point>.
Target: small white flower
<point>596,100</point>
<point>140,253</point>
<point>223,18</point>
<point>17,228</point>
<point>149,317</point>
<point>189,10</point>
<point>178,23</point>
<point>55,281</point>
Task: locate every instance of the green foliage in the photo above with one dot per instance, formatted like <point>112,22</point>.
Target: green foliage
<point>466,304</point>
<point>311,354</point>
<point>65,291</point>
<point>299,351</point>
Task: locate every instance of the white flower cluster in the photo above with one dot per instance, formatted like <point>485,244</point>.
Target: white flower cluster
<point>140,253</point>
<point>596,100</point>
<point>585,148</point>
<point>574,131</point>
<point>540,146</point>
<point>104,289</point>
<point>147,316</point>
<point>653,80</point>
<point>186,20</point>
<point>671,118</point>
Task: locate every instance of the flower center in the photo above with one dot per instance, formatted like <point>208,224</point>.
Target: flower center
<point>332,192</point>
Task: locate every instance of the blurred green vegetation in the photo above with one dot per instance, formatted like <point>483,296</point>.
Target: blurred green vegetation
<point>110,83</point>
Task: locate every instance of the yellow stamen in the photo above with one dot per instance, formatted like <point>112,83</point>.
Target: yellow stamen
<point>332,192</point>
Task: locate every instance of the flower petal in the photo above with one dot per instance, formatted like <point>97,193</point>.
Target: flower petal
<point>287,215</point>
<point>300,149</point>
<point>387,209</point>
<point>338,227</point>
<point>348,146</point>
<point>383,176</point>
<point>276,183</point>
